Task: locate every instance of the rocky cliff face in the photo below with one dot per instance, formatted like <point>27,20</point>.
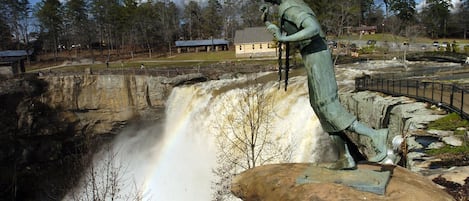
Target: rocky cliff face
<point>49,123</point>
<point>101,103</point>
<point>32,148</point>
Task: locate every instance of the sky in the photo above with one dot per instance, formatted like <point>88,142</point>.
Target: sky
<point>419,3</point>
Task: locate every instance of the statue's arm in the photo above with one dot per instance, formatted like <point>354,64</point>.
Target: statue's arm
<point>310,28</point>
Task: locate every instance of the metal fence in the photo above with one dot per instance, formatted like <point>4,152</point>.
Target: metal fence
<point>449,96</point>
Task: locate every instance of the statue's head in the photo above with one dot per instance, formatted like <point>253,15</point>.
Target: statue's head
<point>274,1</point>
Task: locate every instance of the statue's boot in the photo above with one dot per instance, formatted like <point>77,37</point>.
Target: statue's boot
<point>393,156</point>
<point>345,161</point>
<point>378,137</point>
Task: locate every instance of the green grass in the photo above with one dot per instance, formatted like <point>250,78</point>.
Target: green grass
<point>213,56</point>
<point>449,123</point>
<point>448,149</point>
<point>173,61</point>
<point>394,38</point>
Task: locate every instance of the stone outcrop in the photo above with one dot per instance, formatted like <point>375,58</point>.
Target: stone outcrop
<point>35,140</point>
<point>401,115</point>
<point>102,102</point>
<point>279,182</point>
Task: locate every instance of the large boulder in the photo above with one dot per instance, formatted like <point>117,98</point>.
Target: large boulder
<point>279,182</point>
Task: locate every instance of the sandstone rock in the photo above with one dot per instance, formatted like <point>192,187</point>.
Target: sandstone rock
<point>440,133</point>
<point>436,145</point>
<point>100,102</point>
<point>455,174</point>
<point>452,140</point>
<point>278,182</point>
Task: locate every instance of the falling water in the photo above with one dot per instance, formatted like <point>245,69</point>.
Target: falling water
<point>175,160</point>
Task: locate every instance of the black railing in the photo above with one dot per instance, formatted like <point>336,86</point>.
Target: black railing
<point>448,96</point>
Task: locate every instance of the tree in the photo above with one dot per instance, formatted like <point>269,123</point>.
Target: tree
<point>171,24</point>
<point>15,14</point>
<point>366,7</point>
<point>340,15</point>
<point>462,18</point>
<point>192,21</point>
<point>245,138</point>
<point>77,25</point>
<point>435,17</point>
<point>104,178</point>
<point>49,15</point>
<point>105,14</point>
<point>212,20</point>
<point>230,18</point>
<point>250,13</point>
<point>5,34</point>
<point>405,12</point>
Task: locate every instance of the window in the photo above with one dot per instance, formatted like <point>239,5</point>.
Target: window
<point>260,46</point>
<point>240,47</point>
<point>252,46</point>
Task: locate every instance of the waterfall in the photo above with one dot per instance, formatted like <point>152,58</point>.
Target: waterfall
<point>175,159</point>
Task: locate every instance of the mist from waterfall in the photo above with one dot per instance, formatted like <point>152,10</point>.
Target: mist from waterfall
<point>174,159</point>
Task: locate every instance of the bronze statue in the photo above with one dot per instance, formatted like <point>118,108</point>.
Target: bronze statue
<point>299,25</point>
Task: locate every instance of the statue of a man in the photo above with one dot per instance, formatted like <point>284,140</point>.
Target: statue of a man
<point>300,25</point>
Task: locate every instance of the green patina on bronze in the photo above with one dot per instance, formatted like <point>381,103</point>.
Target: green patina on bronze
<point>300,26</point>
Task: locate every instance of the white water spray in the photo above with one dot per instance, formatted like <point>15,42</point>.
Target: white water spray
<point>175,162</point>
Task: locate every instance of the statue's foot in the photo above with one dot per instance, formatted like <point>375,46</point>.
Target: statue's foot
<point>393,156</point>
<point>380,145</point>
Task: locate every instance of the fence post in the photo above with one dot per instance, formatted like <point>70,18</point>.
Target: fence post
<point>416,88</point>
<point>462,100</point>
<point>441,92</point>
<point>407,86</point>
<point>424,88</point>
<point>451,96</point>
<point>400,85</point>
<point>387,85</point>
<point>382,84</point>
<point>433,89</point>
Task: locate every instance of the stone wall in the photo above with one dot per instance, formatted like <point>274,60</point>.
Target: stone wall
<point>405,117</point>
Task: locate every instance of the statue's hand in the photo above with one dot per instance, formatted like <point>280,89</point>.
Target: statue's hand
<point>272,28</point>
<point>265,11</point>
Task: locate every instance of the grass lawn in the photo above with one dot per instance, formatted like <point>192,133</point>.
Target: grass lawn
<point>173,61</point>
<point>390,37</point>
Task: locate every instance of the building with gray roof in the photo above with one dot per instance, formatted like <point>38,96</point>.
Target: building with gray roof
<point>12,61</point>
<point>202,45</point>
<point>254,42</point>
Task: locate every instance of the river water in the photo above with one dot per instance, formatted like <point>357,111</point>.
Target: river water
<point>175,159</point>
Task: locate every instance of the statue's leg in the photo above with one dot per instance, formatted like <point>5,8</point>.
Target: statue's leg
<point>345,160</point>
<point>378,137</point>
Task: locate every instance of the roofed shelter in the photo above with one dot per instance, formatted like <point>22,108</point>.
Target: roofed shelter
<point>204,45</point>
<point>12,61</point>
<point>254,42</point>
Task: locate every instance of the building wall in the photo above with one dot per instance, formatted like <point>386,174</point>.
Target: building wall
<point>259,49</point>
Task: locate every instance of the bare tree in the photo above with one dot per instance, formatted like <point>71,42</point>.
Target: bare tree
<point>104,179</point>
<point>244,136</point>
